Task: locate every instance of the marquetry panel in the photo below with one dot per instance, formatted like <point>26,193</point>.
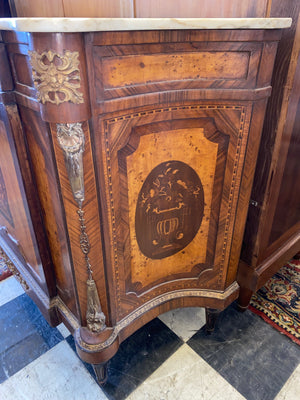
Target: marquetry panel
<point>170,204</point>
<point>122,71</point>
<point>172,179</point>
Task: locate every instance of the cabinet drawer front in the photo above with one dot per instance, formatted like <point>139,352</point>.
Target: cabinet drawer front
<point>122,71</point>
<point>137,69</point>
<point>172,179</point>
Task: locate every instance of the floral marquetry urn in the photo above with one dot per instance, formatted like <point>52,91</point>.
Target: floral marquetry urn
<point>169,209</point>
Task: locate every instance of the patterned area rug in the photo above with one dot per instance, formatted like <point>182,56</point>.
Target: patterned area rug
<point>278,302</point>
<point>4,271</point>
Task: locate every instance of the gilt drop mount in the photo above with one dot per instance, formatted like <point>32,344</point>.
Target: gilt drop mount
<point>71,140</point>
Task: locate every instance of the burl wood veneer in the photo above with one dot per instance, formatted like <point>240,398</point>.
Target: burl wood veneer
<point>127,159</point>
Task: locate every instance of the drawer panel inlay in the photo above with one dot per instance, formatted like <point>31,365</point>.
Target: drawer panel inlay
<point>122,71</point>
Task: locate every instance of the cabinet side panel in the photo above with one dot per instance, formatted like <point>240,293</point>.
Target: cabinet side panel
<point>41,159</point>
<point>14,213</point>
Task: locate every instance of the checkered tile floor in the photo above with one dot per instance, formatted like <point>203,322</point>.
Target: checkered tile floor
<point>170,358</point>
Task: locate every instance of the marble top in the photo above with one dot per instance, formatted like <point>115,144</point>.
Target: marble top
<point>133,24</point>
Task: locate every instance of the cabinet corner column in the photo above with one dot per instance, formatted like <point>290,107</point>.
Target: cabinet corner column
<point>59,73</point>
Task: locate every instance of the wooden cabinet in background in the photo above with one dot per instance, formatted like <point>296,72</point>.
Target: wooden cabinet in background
<point>141,8</point>
<point>272,234</point>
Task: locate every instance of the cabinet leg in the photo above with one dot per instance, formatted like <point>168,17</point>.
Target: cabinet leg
<point>244,299</point>
<point>211,318</point>
<point>101,373</point>
<point>297,256</point>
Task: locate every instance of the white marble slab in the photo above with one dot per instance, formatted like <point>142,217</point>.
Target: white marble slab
<point>131,24</point>
<point>57,374</point>
<point>185,376</point>
<point>9,290</point>
<point>291,389</point>
<point>185,322</point>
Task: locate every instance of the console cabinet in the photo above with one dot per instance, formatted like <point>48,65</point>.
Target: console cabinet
<point>127,159</point>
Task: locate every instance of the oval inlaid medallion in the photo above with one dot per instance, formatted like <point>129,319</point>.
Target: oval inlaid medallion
<point>169,209</point>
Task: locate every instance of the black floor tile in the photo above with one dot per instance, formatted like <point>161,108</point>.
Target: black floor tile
<point>25,335</point>
<point>252,356</point>
<point>137,358</point>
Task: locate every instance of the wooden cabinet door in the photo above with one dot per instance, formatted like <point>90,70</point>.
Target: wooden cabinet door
<point>171,182</point>
<point>171,117</point>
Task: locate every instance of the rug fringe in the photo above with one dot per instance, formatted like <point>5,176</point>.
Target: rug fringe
<point>274,324</point>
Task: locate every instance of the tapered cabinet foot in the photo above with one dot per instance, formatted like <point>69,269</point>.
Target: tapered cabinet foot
<point>212,315</point>
<point>244,299</point>
<point>101,373</point>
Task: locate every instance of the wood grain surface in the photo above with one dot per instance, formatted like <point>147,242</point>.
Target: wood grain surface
<point>140,8</point>
<point>203,9</point>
